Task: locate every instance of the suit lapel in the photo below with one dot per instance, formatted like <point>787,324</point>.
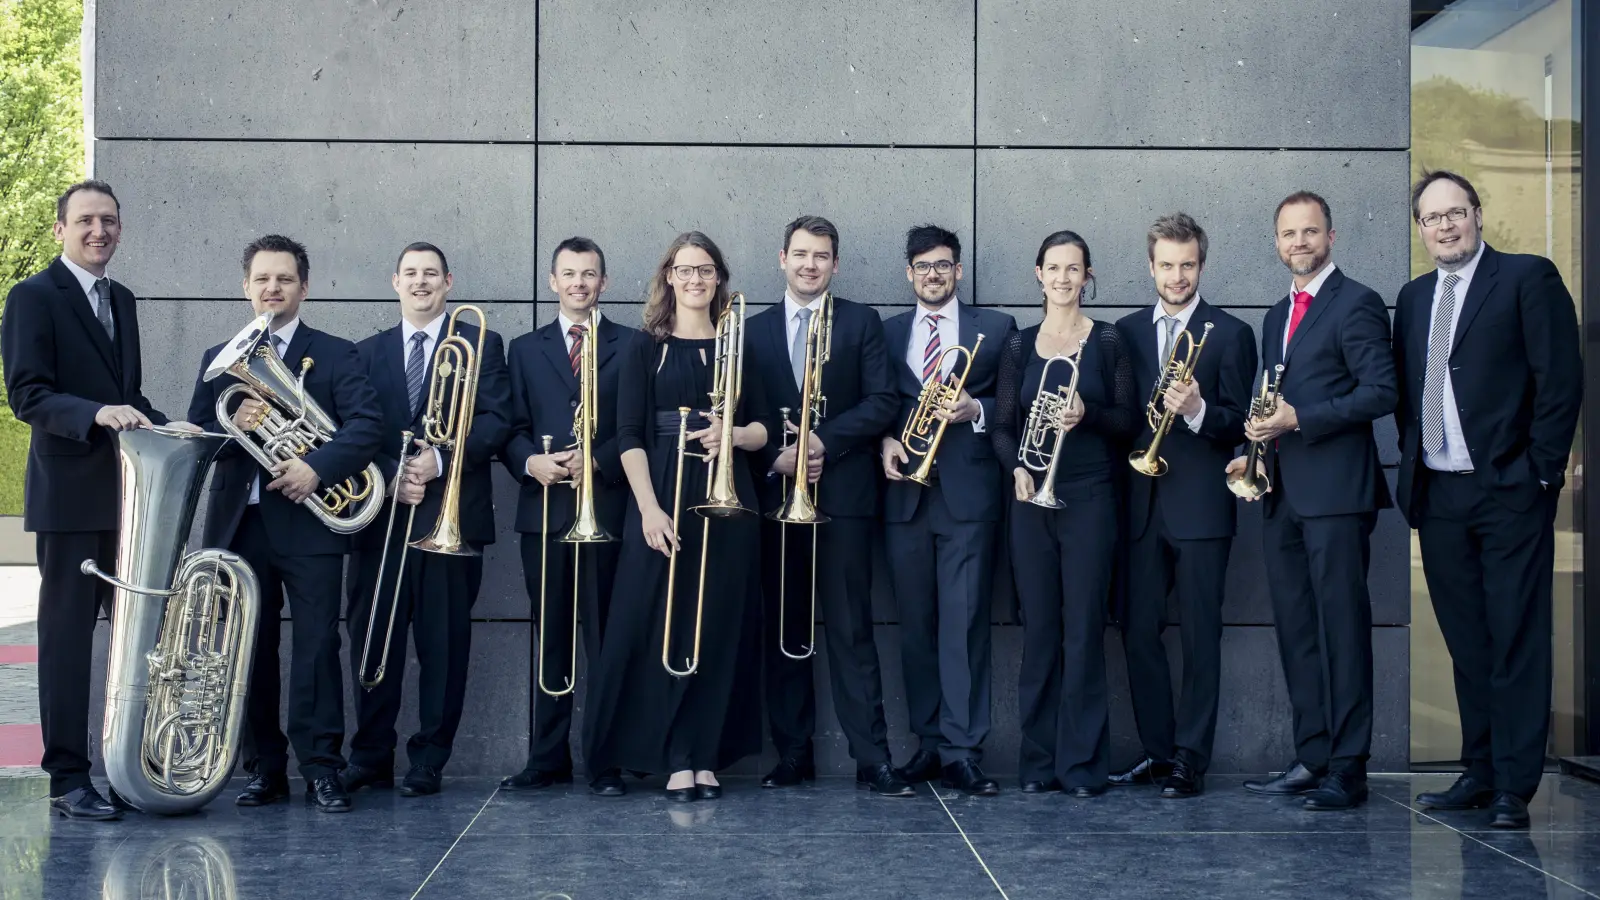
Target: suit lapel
<point>554,345</point>
<point>1416,336</point>
<point>127,329</point>
<point>76,300</point>
<point>1326,297</point>
<point>897,333</point>
<point>390,379</point>
<point>606,335</point>
<point>775,330</point>
<point>1482,283</point>
<point>1272,327</point>
<point>967,331</point>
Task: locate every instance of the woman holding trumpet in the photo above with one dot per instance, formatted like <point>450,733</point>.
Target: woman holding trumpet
<point>1065,405</point>
<point>677,686</point>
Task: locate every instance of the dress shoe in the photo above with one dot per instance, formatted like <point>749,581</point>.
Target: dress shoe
<point>421,781</point>
<point>1184,782</point>
<point>116,801</point>
<point>354,777</point>
<point>1052,786</point>
<point>1466,793</point>
<point>1338,791</point>
<point>789,773</point>
<point>884,780</point>
<point>327,794</point>
<point>1508,811</point>
<point>923,766</point>
<point>608,784</point>
<point>263,789</point>
<point>965,776</point>
<point>1146,771</point>
<point>1300,779</point>
<point>682,795</point>
<point>531,779</point>
<point>1088,792</point>
<point>707,791</point>
<point>85,803</point>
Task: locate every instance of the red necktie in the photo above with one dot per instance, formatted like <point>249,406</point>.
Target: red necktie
<point>1302,302</point>
<point>576,333</point>
<point>931,355</point>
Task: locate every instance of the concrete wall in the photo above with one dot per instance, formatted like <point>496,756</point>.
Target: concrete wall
<point>497,128</point>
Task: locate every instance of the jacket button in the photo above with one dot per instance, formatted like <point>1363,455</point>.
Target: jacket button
<point>573,404</point>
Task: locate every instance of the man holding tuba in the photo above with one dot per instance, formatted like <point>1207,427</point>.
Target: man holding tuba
<point>399,579</point>
<point>282,522</point>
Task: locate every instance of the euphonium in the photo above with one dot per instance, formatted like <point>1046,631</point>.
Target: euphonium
<point>183,630</point>
<point>452,401</point>
<point>186,868</point>
<point>1251,484</point>
<point>1044,417</point>
<point>799,499</point>
<point>293,426</point>
<point>925,429</point>
<point>1174,371</point>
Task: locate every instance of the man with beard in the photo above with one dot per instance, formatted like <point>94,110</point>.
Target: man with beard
<point>1486,347</point>
<point>1331,334</point>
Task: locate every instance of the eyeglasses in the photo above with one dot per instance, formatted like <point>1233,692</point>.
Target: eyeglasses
<point>1432,220</point>
<point>943,267</point>
<point>684,273</point>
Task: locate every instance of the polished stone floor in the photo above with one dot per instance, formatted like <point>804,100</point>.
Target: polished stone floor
<point>827,840</point>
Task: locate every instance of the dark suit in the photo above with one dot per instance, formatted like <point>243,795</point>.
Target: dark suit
<point>1327,488</point>
<point>436,591</point>
<point>940,542</point>
<point>291,550</point>
<point>858,382</point>
<point>1180,529</point>
<point>1486,534</point>
<point>544,398</point>
<point>60,369</point>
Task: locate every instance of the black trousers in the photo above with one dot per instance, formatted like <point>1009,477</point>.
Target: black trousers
<point>844,597</point>
<point>1061,561</point>
<point>316,682</point>
<point>551,717</point>
<point>1197,570</point>
<point>1489,571</point>
<point>1317,575</point>
<point>69,603</point>
<point>942,570</point>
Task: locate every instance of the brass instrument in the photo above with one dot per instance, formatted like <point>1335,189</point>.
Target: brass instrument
<point>399,571</point>
<point>447,422</point>
<point>799,503</point>
<point>921,436</point>
<point>196,867</point>
<point>1044,417</point>
<point>1174,371</point>
<point>293,426</point>
<point>1250,484</point>
<point>183,631</point>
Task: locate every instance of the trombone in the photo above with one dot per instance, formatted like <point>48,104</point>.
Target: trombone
<point>1249,484</point>
<point>925,429</point>
<point>1043,418</point>
<point>799,503</point>
<point>1174,371</point>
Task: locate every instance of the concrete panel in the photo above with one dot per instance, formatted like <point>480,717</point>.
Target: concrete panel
<point>679,71</point>
<point>1111,197</point>
<point>342,70</point>
<point>189,209</point>
<point>1205,73</point>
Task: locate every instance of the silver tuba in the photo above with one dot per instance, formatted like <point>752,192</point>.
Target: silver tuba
<point>188,868</point>
<point>294,425</point>
<point>183,631</point>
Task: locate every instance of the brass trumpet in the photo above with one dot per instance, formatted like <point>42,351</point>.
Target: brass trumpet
<point>447,424</point>
<point>1174,371</point>
<point>1043,418</point>
<point>799,503</point>
<point>925,429</point>
<point>1250,484</point>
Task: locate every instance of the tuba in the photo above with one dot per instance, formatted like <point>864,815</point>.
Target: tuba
<point>1174,371</point>
<point>1044,418</point>
<point>183,632</point>
<point>799,500</point>
<point>187,868</point>
<point>1249,484</point>
<point>921,436</point>
<point>293,426</point>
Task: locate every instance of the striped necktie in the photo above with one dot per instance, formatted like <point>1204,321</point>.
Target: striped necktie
<point>1440,336</point>
<point>576,332</point>
<point>416,370</point>
<point>930,356</point>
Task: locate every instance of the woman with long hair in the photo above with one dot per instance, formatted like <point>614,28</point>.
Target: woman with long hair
<point>639,716</point>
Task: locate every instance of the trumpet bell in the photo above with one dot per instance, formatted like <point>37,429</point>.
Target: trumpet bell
<point>1248,488</point>
<point>1144,465</point>
<point>798,509</point>
<point>1046,497</point>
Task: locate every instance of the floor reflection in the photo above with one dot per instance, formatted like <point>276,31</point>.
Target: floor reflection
<point>189,868</point>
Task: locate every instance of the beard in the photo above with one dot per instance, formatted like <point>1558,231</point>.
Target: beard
<point>1306,266</point>
<point>1458,255</point>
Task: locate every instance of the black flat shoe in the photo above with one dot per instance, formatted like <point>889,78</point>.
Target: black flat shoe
<point>421,781</point>
<point>1147,771</point>
<point>1053,786</point>
<point>327,794</point>
<point>1085,792</point>
<point>608,784</point>
<point>532,779</point>
<point>1466,793</point>
<point>354,777</point>
<point>261,790</point>
<point>790,773</point>
<point>682,795</point>
<point>1183,783</point>
<point>707,791</point>
<point>1508,811</point>
<point>1339,791</point>
<point>884,780</point>
<point>965,776</point>
<point>923,766</point>
<point>85,803</point>
<point>1299,779</point>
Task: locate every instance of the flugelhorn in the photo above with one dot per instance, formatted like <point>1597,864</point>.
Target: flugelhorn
<point>925,429</point>
<point>446,423</point>
<point>1174,371</point>
<point>799,498</point>
<point>1044,425</point>
<point>1251,484</point>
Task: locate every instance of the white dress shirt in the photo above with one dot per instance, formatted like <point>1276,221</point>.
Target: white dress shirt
<point>1311,288</point>
<point>86,280</point>
<point>1453,457</point>
<point>431,330</point>
<point>287,335</point>
<point>1183,316</point>
<point>949,336</point>
<point>566,326</point>
<point>791,321</point>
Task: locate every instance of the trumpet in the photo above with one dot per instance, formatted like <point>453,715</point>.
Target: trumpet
<point>1043,418</point>
<point>1250,484</point>
<point>1174,371</point>
<point>799,504</point>
<point>455,378</point>
<point>925,429</point>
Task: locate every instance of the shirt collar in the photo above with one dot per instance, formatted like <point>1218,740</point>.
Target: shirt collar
<point>950,310</point>
<point>287,331</point>
<point>86,279</point>
<point>431,329</point>
<point>1465,272</point>
<point>792,307</point>
<point>566,323</point>
<point>1315,284</point>
<point>1183,316</point>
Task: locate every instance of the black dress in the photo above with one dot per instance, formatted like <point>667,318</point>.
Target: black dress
<point>637,715</point>
<point>1061,558</point>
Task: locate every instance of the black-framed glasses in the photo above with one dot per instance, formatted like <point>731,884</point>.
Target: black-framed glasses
<point>1432,220</point>
<point>684,273</point>
<point>943,267</point>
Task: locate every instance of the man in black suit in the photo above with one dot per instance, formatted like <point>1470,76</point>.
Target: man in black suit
<point>941,539</point>
<point>72,370</point>
<point>263,520</point>
<point>858,385</point>
<point>544,399</point>
<point>434,591</point>
<point>1331,334</point>
<point>1181,525</point>
<point>1491,384</point>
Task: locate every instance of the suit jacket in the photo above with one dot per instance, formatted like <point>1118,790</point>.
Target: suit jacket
<point>858,383</point>
<point>1339,377</point>
<point>544,398</point>
<point>1193,497</point>
<point>1515,370</point>
<point>60,369</point>
<point>338,383</point>
<point>383,357</point>
<point>969,474</point>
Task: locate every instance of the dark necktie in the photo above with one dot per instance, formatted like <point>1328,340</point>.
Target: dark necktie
<point>101,297</point>
<point>416,370</point>
<point>576,332</point>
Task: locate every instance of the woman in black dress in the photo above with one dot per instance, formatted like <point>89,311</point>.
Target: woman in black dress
<point>639,716</point>
<point>1061,558</point>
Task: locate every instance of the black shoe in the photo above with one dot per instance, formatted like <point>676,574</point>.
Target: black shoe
<point>1338,791</point>
<point>261,790</point>
<point>421,781</point>
<point>965,776</point>
<point>1466,793</point>
<point>1184,782</point>
<point>116,801</point>
<point>85,803</point>
<point>532,779</point>
<point>682,795</point>
<point>1508,811</point>
<point>1088,792</point>
<point>1051,786</point>
<point>354,777</point>
<point>884,780</point>
<point>707,791</point>
<point>327,794</point>
<point>1146,771</point>
<point>1300,779</point>
<point>923,766</point>
<point>608,784</point>
<point>789,773</point>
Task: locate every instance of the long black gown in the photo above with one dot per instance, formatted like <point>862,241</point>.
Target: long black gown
<point>638,716</point>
